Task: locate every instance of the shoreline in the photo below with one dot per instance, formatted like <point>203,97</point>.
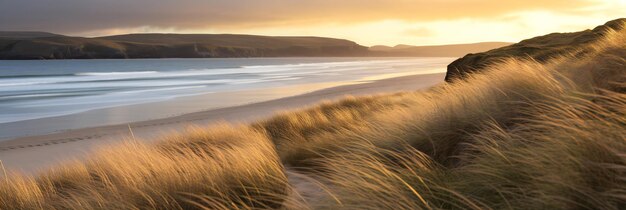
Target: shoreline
<point>35,153</point>
<point>80,99</point>
<point>159,109</point>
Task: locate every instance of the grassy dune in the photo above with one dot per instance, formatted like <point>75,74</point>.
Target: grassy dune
<point>541,48</point>
<point>521,135</point>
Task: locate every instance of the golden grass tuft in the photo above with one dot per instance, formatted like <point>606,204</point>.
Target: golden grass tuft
<point>223,167</point>
<point>566,155</point>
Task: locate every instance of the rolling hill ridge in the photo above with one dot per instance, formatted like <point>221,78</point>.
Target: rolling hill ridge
<point>174,46</point>
<point>42,45</point>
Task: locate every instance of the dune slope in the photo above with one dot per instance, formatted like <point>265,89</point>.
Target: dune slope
<point>542,49</point>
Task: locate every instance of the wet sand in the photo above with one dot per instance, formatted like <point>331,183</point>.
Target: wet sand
<point>34,153</point>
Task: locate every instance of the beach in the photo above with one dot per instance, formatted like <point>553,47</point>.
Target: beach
<point>40,97</point>
<point>35,153</point>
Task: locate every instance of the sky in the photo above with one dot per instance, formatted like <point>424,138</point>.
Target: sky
<point>368,22</point>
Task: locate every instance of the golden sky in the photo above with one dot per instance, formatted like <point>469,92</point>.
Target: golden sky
<point>368,22</point>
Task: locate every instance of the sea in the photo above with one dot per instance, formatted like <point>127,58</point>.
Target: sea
<point>31,90</point>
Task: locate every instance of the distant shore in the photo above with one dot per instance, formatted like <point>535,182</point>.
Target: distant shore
<point>15,45</point>
<point>34,153</point>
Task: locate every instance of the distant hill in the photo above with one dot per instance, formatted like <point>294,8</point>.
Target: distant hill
<point>174,46</point>
<point>231,40</point>
<point>42,45</point>
<point>25,34</point>
<point>454,50</point>
<point>541,48</point>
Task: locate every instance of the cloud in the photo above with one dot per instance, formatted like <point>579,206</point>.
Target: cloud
<point>80,16</point>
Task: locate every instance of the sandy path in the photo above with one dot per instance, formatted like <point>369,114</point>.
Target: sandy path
<point>306,187</point>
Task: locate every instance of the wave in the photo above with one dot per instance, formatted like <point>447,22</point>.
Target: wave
<point>323,64</point>
<point>115,73</point>
<point>22,83</point>
<point>32,96</point>
<point>21,76</point>
<point>159,89</point>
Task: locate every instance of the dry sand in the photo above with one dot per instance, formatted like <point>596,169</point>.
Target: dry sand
<point>35,153</point>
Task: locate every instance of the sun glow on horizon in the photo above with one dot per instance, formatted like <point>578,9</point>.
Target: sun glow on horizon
<point>370,22</point>
<point>513,28</point>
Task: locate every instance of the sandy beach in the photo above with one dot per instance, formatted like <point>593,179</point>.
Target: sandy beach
<point>35,153</point>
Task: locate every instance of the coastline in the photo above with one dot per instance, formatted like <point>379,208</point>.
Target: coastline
<point>34,153</point>
<point>140,112</point>
<point>120,92</point>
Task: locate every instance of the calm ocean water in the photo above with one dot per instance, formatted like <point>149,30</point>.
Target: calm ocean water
<point>40,89</point>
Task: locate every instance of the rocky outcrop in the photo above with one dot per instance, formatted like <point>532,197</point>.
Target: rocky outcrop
<point>541,49</point>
